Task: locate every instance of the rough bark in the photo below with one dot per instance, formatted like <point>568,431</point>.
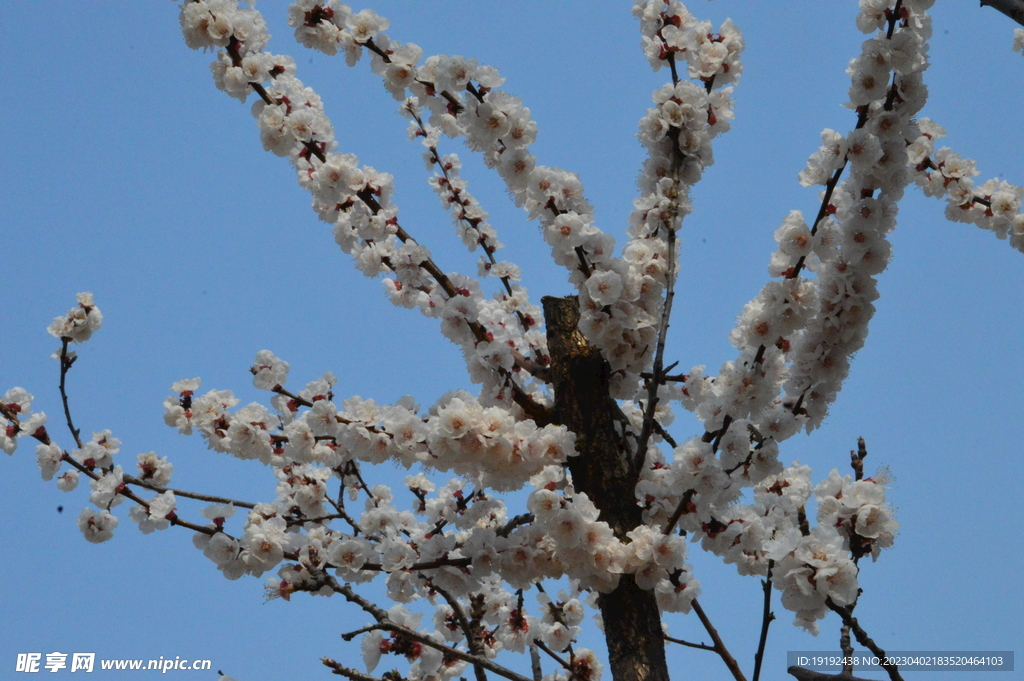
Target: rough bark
<point>604,470</point>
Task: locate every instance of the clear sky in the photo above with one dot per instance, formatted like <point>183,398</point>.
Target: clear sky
<point>126,173</point>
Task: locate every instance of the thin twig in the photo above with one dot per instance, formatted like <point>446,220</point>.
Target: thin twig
<point>128,494</point>
<point>688,644</point>
<point>659,354</point>
<point>565,664</point>
<point>863,638</point>
<point>188,495</point>
<point>720,648</point>
<point>405,632</point>
<point>347,672</point>
<point>682,508</point>
<point>538,673</point>
<point>349,635</point>
<point>766,619</point>
<point>65,365</point>
<point>472,637</point>
<point>429,565</point>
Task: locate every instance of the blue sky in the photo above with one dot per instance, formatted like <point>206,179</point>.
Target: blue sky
<point>126,173</point>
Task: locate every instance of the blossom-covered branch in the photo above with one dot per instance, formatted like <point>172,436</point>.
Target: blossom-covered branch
<point>994,205</point>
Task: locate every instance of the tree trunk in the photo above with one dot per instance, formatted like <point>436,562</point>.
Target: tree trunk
<point>605,471</point>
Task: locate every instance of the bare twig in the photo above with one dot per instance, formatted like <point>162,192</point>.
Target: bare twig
<point>351,596</point>
<point>188,495</point>
<point>720,648</point>
<point>65,365</point>
<point>863,638</point>
<point>688,644</point>
<point>847,647</point>
<point>347,672</point>
<point>557,658</point>
<point>681,509</point>
<point>538,673</point>
<point>766,619</point>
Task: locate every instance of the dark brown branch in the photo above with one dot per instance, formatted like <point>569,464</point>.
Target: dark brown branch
<point>65,365</point>
<point>351,596</point>
<point>349,635</point>
<point>471,632</point>
<point>567,665</point>
<point>1011,8</point>
<point>347,672</point>
<point>658,371</point>
<point>681,509</point>
<point>430,565</point>
<point>128,494</point>
<point>188,495</point>
<point>803,674</point>
<point>698,646</point>
<point>537,370</point>
<point>666,378</point>
<point>766,619</point>
<point>584,265</point>
<point>863,638</point>
<point>538,673</point>
<point>660,430</point>
<point>405,632</point>
<point>720,648</point>
<point>846,646</point>
<point>522,519</point>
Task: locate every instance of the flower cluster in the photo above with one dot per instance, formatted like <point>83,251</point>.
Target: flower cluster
<point>813,566</point>
<point>858,510</point>
<point>80,322</point>
<point>459,434</point>
<point>588,551</point>
<point>668,31</point>
<point>216,23</point>
<point>16,405</point>
<point>994,205</point>
<point>811,569</point>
